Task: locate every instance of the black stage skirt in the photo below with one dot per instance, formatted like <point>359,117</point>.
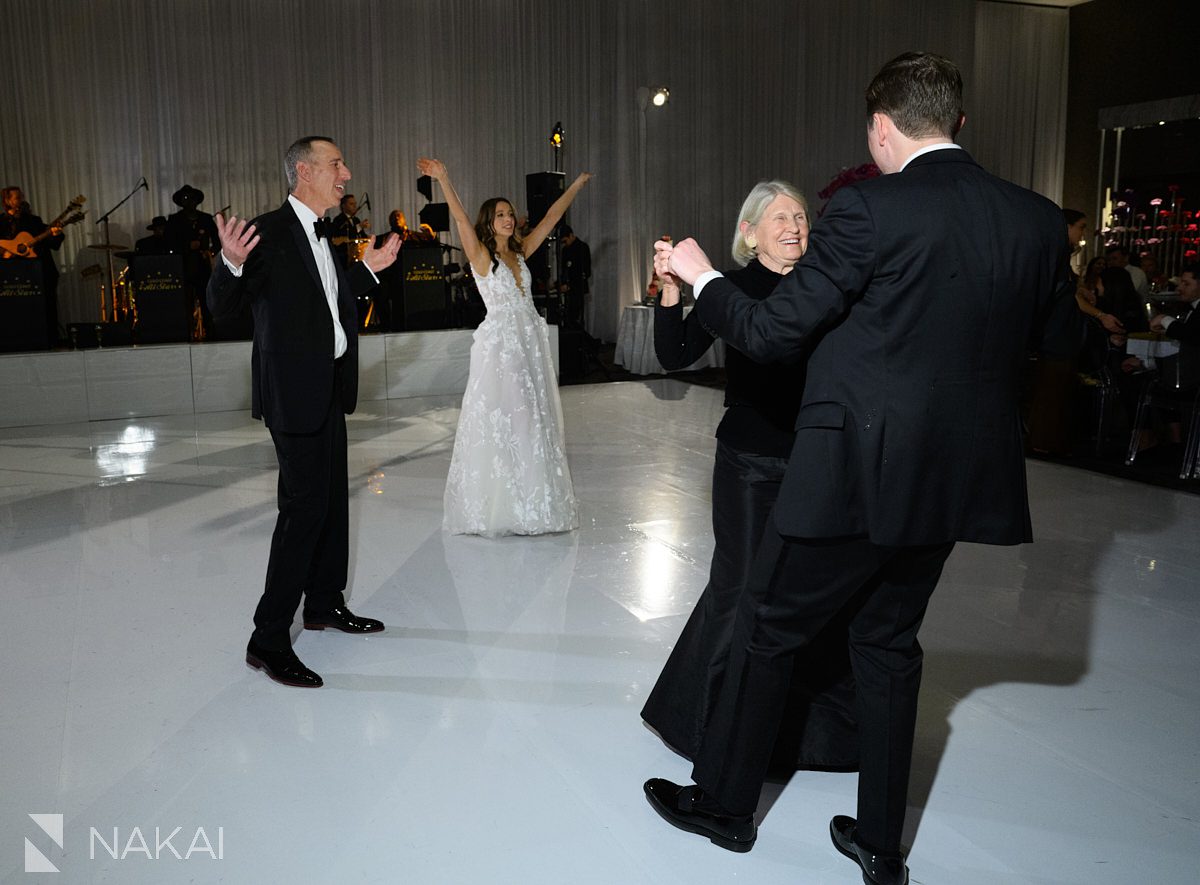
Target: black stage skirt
<point>819,730</point>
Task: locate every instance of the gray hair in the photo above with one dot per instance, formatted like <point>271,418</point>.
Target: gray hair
<point>752,210</point>
<point>301,151</point>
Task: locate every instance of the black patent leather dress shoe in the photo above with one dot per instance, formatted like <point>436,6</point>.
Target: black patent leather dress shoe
<point>689,809</point>
<point>282,666</point>
<point>877,869</point>
<point>341,618</point>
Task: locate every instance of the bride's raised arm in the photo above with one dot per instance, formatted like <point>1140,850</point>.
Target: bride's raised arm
<point>554,214</point>
<point>475,251</point>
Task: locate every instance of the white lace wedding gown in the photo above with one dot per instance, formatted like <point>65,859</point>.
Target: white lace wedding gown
<point>509,474</point>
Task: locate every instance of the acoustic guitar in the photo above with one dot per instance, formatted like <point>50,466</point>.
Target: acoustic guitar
<point>21,246</point>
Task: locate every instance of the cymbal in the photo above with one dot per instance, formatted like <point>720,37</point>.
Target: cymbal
<point>108,247</point>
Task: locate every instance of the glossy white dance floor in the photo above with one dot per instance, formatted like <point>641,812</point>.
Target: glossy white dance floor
<point>491,735</point>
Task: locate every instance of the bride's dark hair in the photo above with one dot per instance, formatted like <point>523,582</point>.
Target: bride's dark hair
<point>483,229</point>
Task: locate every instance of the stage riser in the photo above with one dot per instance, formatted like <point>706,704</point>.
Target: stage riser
<point>179,379</point>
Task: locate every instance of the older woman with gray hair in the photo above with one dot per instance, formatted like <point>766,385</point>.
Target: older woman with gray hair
<point>754,440</point>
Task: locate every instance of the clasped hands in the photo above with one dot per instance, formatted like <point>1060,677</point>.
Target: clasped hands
<point>684,261</point>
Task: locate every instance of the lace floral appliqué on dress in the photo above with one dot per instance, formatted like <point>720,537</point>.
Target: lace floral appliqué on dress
<point>509,474</point>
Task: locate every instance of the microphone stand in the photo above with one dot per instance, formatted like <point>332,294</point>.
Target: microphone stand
<point>112,277</point>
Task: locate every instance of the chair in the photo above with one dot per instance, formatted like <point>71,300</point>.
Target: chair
<point>1106,396</point>
<point>1175,384</point>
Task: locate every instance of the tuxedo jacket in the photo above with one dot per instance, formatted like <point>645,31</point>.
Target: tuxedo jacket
<point>1186,327</point>
<point>917,296</point>
<point>293,375</point>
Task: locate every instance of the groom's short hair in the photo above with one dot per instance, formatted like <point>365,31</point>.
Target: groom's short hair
<point>300,151</point>
<point>920,92</point>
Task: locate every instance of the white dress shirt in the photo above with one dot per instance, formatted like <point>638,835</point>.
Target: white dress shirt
<point>323,255</point>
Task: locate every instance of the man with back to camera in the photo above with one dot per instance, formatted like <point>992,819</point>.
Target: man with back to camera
<point>1186,326</point>
<point>305,381</point>
<point>917,295</point>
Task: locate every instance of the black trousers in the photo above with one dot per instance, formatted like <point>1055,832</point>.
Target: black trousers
<point>310,549</point>
<point>796,587</point>
<point>818,729</point>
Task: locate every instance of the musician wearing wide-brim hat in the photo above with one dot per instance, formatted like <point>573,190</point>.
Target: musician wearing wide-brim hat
<point>17,219</point>
<point>193,234</point>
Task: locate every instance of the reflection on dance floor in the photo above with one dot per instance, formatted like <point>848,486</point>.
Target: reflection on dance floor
<point>491,734</point>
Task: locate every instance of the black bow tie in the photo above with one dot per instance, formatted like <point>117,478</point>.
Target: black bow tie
<point>323,227</point>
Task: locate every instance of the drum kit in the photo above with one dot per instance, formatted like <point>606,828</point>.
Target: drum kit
<point>120,299</point>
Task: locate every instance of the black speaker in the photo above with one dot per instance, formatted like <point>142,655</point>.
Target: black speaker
<point>436,215</point>
<point>423,288</point>
<point>22,306</point>
<point>164,312</point>
<point>541,190</point>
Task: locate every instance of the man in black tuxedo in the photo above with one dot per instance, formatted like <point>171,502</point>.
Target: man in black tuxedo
<point>917,296</point>
<point>304,367</point>
<point>1186,326</point>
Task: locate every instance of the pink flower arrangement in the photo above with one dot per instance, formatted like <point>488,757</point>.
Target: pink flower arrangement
<point>849,176</point>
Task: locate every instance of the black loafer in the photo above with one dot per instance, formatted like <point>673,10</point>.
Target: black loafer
<point>341,618</point>
<point>877,869</point>
<point>689,809</point>
<point>282,666</point>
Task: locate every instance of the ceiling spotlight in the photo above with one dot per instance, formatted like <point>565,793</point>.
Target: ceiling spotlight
<point>661,96</point>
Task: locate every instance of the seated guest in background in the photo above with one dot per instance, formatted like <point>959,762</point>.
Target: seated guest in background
<point>1186,326</point>
<point>156,243</point>
<point>1185,329</point>
<point>1119,297</point>
<point>18,219</point>
<point>1149,265</point>
<point>1094,357</point>
<point>754,440</point>
<point>1118,256</point>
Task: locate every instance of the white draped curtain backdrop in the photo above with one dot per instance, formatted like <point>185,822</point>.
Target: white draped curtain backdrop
<point>210,92</point>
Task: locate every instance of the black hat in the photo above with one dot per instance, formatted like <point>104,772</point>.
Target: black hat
<point>188,197</point>
<point>158,221</point>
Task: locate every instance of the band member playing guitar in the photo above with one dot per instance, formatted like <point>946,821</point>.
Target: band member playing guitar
<point>25,235</point>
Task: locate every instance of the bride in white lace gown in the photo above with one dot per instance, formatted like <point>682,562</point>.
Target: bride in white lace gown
<point>508,474</point>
